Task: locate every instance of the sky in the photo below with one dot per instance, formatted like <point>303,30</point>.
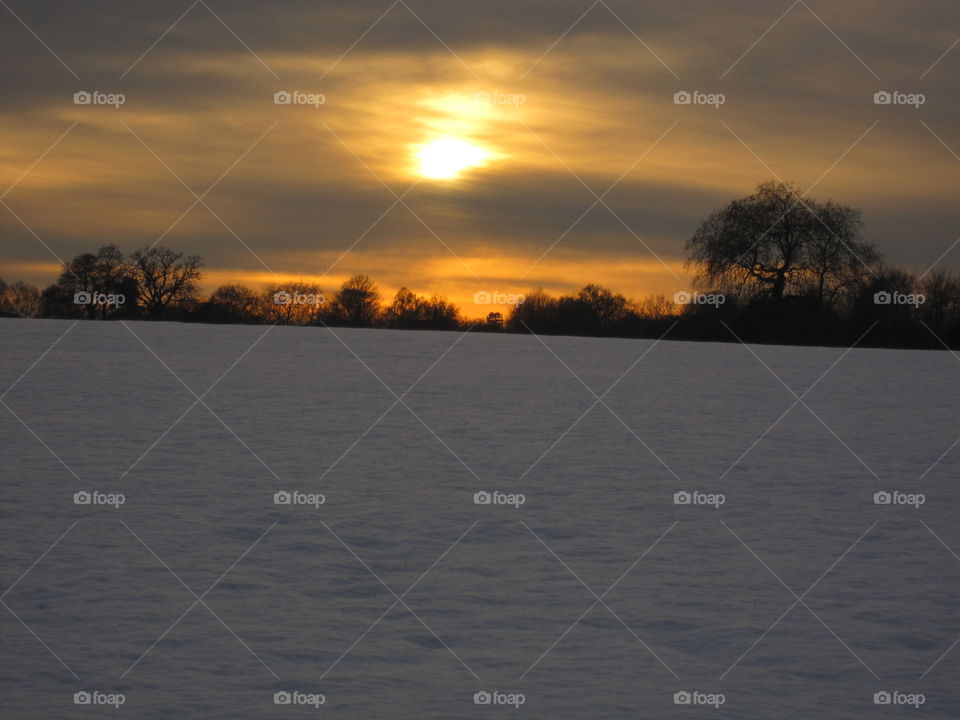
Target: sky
<point>465,147</point>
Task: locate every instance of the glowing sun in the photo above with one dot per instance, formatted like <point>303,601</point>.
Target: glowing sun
<point>445,158</point>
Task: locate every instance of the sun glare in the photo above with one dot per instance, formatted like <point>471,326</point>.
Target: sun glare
<point>446,158</point>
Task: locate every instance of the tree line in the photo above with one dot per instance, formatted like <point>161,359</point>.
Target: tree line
<point>774,266</point>
<point>159,283</point>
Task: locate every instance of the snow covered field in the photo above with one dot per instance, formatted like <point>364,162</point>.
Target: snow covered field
<point>400,597</point>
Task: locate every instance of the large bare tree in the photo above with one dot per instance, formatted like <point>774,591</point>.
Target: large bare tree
<point>776,242</point>
<point>164,278</point>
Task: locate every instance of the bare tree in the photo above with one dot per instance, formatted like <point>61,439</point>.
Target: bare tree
<point>838,262</point>
<point>164,278</point>
<point>657,307</point>
<point>537,313</point>
<point>941,293</point>
<point>296,303</point>
<point>404,311</point>
<point>19,299</point>
<point>92,274</point>
<point>607,306</point>
<point>234,303</point>
<point>776,242</point>
<point>357,302</point>
<point>409,310</point>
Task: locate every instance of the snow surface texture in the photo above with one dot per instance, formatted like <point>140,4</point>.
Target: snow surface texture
<point>200,597</point>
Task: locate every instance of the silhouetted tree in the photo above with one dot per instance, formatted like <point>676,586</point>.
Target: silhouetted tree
<point>941,307</point>
<point>294,303</point>
<point>409,310</point>
<point>838,261</point>
<point>164,279</point>
<point>403,311</point>
<point>775,242</point>
<point>895,322</point>
<point>90,274</point>
<point>824,290</point>
<point>606,307</point>
<point>438,313</point>
<point>19,299</point>
<point>657,307</point>
<point>232,304</point>
<point>537,313</point>
<point>357,303</point>
<point>594,310</point>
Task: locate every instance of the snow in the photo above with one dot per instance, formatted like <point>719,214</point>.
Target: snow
<point>199,426</point>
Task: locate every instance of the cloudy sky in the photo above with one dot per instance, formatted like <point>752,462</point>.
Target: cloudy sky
<point>465,146</point>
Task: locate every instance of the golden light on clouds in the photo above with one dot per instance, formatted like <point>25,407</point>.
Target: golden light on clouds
<point>450,124</point>
<point>445,158</point>
<point>501,165</point>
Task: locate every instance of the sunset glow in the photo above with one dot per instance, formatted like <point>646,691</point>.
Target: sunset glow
<point>447,158</point>
<point>499,139</point>
<point>477,289</point>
